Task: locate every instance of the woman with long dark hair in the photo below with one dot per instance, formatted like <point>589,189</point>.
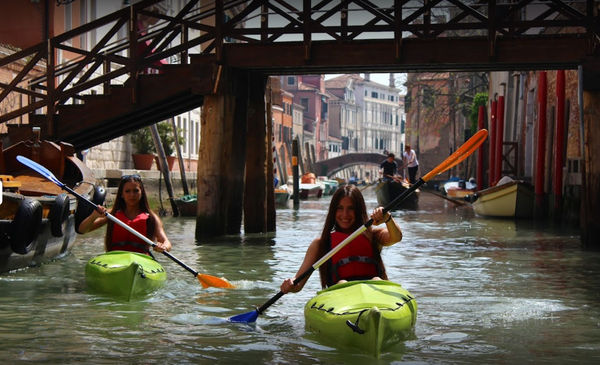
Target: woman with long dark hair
<point>131,207</point>
<point>359,259</point>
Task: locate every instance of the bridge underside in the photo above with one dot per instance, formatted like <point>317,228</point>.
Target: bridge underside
<point>330,173</point>
<point>413,55</point>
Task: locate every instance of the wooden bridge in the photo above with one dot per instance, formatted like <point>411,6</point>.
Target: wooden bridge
<point>107,91</point>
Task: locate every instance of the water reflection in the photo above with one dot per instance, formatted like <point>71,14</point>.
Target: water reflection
<point>489,291</point>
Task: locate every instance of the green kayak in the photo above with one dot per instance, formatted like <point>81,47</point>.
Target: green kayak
<point>368,315</point>
<point>124,274</point>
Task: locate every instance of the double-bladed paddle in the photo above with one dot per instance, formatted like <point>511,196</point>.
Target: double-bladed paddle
<point>204,279</point>
<point>454,159</point>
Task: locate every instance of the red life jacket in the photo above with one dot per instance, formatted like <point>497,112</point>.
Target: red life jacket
<point>124,240</point>
<point>355,261</point>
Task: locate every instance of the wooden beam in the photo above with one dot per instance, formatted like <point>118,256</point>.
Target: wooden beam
<point>442,54</point>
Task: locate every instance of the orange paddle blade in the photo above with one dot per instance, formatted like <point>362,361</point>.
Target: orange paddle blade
<point>209,280</point>
<point>459,155</point>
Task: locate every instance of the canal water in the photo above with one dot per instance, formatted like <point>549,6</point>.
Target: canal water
<point>489,291</point>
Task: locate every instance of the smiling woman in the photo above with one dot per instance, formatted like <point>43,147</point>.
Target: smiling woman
<point>359,261</point>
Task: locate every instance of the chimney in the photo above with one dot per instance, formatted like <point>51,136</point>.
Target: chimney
<point>392,80</point>
<point>367,76</point>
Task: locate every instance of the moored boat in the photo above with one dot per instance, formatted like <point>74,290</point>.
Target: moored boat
<point>124,274</point>
<point>282,195</point>
<point>388,190</point>
<point>187,205</point>
<point>330,186</point>
<point>513,199</point>
<point>310,191</point>
<point>37,220</point>
<point>458,189</point>
<point>369,315</point>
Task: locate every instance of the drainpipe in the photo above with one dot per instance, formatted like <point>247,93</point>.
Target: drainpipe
<point>492,140</point>
<point>480,121</point>
<point>559,139</point>
<point>541,141</point>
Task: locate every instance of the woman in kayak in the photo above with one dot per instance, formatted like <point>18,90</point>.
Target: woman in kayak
<point>131,206</point>
<point>359,259</point>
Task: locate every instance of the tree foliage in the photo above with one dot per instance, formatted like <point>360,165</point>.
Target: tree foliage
<point>480,99</point>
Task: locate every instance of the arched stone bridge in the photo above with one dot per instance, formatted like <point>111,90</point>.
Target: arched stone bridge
<point>331,166</point>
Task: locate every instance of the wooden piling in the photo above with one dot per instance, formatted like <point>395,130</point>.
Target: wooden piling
<point>590,212</point>
<point>221,158</point>
<point>255,207</point>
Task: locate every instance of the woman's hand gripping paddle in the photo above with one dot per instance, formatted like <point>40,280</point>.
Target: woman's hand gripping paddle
<point>454,159</point>
<point>204,279</point>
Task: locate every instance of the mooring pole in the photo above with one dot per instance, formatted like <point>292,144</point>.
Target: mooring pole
<point>296,174</point>
<point>164,167</point>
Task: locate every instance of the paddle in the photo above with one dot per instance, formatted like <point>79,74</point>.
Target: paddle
<point>204,279</point>
<point>458,156</point>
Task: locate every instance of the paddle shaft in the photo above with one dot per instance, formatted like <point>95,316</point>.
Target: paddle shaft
<point>129,229</point>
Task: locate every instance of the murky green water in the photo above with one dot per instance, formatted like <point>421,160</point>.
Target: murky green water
<point>489,291</point>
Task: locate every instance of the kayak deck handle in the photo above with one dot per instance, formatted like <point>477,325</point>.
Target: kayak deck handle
<point>354,326</point>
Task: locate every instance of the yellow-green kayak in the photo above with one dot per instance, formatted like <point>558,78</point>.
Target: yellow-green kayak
<point>368,315</point>
<point>124,274</point>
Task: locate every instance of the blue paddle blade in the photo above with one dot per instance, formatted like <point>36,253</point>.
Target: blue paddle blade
<point>244,318</point>
<point>39,169</point>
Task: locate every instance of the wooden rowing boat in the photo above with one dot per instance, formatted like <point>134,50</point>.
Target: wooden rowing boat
<point>388,190</point>
<point>513,200</point>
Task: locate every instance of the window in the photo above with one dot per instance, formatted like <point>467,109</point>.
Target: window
<point>304,103</point>
<point>374,94</point>
<point>291,80</point>
<point>323,108</point>
<point>428,97</point>
<point>68,19</point>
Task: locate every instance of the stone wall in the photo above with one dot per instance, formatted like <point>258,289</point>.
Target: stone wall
<point>115,154</point>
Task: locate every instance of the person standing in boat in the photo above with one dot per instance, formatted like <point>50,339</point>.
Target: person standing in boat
<point>409,159</point>
<point>131,206</point>
<point>359,259</point>
<point>389,167</point>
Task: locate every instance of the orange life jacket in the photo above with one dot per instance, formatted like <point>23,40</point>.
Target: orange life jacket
<point>355,261</point>
<point>124,240</point>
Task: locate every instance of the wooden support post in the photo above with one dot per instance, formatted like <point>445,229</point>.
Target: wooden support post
<point>539,210</point>
<point>164,167</point>
<point>270,188</point>
<point>559,143</point>
<point>235,164</point>
<point>296,174</point>
<point>179,157</point>
<point>590,212</point>
<point>220,159</point>
<point>255,207</point>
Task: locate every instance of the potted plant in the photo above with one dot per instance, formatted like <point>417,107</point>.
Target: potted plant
<point>144,148</point>
<point>167,138</point>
